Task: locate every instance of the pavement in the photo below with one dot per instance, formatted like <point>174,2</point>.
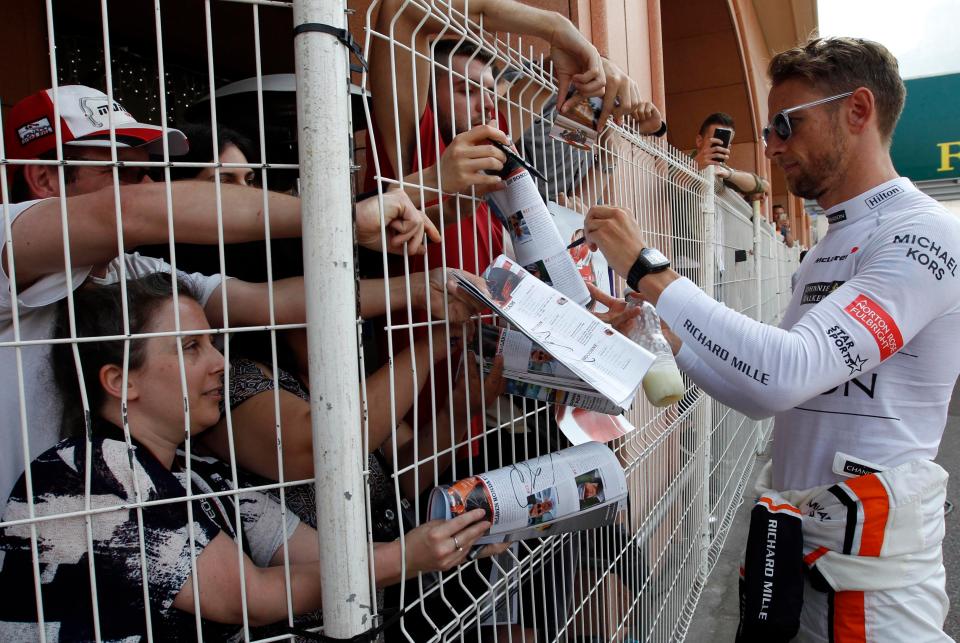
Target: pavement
<point>716,617</point>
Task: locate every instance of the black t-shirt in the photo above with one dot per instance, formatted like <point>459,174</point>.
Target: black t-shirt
<point>58,477</point>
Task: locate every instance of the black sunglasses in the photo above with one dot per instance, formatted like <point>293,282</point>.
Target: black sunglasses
<point>781,120</point>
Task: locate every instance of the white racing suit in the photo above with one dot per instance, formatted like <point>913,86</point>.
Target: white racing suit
<point>863,363</point>
<point>871,550</point>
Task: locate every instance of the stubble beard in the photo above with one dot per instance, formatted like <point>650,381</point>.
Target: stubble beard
<point>822,169</point>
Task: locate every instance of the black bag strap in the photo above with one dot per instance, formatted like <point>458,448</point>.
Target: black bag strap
<point>343,35</point>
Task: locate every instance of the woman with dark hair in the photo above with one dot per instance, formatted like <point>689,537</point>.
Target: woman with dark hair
<point>233,147</point>
<point>136,420</point>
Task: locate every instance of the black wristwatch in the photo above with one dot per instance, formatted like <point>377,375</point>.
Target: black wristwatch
<point>650,260</point>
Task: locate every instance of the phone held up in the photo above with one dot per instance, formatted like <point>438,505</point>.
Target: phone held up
<point>725,134</point>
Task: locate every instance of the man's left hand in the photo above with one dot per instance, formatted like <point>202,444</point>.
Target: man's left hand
<point>617,234</point>
<point>619,314</point>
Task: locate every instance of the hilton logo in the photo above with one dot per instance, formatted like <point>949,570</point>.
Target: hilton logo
<point>880,197</point>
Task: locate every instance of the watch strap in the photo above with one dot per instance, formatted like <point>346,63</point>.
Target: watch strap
<point>637,272</point>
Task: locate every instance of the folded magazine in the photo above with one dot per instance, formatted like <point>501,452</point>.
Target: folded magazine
<point>530,371</point>
<point>606,363</point>
<point>534,235</point>
<point>582,487</point>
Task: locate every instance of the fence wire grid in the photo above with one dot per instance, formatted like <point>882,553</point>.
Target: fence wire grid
<point>232,553</point>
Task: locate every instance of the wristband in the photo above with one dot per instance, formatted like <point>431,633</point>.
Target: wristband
<point>660,132</point>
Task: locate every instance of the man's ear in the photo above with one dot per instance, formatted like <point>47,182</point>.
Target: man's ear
<point>862,108</point>
<point>111,379</point>
<point>41,181</point>
<point>699,141</point>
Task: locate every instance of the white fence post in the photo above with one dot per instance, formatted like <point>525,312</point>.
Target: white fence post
<point>323,124</point>
<point>707,271</point>
<point>757,257</point>
<point>758,276</point>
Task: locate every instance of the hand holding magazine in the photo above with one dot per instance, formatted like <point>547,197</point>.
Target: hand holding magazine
<point>533,233</point>
<point>609,363</point>
<point>530,371</point>
<point>582,487</point>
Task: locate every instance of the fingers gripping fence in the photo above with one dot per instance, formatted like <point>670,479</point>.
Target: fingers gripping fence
<point>216,485</point>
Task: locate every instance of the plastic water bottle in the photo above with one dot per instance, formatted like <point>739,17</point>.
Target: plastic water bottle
<point>662,384</point>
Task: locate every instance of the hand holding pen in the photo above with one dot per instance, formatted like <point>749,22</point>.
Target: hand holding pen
<point>519,159</point>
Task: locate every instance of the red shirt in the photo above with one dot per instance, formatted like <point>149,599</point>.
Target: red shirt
<point>478,250</point>
<point>481,234</point>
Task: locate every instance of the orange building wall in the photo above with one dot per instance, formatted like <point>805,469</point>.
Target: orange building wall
<point>715,60</point>
<point>24,67</point>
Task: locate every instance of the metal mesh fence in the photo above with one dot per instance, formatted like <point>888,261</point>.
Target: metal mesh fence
<point>171,517</point>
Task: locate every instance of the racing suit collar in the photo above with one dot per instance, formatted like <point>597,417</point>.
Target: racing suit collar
<point>868,202</point>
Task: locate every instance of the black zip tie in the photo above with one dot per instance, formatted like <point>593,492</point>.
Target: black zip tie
<point>364,637</point>
<point>343,35</point>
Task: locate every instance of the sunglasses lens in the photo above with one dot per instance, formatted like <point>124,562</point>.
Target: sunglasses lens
<point>782,126</point>
<point>766,135</point>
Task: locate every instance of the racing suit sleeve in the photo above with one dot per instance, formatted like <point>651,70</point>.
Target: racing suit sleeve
<point>722,389</point>
<point>904,279</point>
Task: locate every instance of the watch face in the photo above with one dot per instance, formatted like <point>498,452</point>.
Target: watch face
<point>654,257</point>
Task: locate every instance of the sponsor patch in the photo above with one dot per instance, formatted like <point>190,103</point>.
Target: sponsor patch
<point>817,291</point>
<point>878,322</point>
<point>33,131</point>
<point>837,217</point>
<point>832,259</point>
<point>929,253</point>
<point>845,345</point>
<point>880,197</point>
<point>847,465</point>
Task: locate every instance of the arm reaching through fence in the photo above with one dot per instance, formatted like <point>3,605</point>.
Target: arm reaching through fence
<point>575,62</point>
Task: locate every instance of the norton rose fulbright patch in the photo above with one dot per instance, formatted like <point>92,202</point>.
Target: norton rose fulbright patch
<point>880,324</point>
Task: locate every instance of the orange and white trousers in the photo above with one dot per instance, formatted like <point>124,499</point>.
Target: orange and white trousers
<point>872,554</point>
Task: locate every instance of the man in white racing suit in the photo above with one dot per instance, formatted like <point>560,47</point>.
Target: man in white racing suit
<point>860,372</point>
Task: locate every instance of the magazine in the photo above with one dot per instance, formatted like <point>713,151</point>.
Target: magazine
<point>581,425</point>
<point>582,487</point>
<point>577,126</point>
<point>609,363</point>
<point>591,264</point>
<point>536,240</point>
<point>530,371</point>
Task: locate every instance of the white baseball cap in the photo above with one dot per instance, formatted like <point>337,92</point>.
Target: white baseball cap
<point>85,115</point>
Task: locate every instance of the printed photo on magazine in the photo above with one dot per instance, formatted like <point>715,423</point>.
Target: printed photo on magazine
<point>581,487</point>
<point>609,363</point>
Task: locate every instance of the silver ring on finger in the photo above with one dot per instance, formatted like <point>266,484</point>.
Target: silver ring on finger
<point>456,543</point>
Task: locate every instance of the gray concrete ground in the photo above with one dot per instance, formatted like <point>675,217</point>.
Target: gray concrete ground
<point>716,617</point>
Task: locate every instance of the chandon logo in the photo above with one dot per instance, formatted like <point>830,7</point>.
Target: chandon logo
<point>837,217</point>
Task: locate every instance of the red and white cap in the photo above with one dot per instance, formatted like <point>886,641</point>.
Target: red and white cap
<point>84,114</point>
